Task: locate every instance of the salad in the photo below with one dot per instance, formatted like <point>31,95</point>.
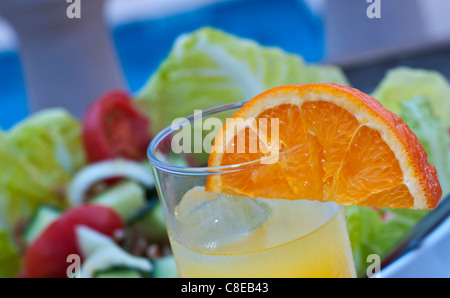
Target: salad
<point>82,189</point>
<point>78,198</point>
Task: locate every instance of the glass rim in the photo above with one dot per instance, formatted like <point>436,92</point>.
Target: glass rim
<point>181,170</point>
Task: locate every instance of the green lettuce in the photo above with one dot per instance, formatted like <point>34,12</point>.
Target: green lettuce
<point>403,83</point>
<point>377,231</point>
<point>38,158</point>
<point>432,133</point>
<point>10,260</point>
<point>209,68</point>
<point>364,227</point>
<point>21,188</point>
<point>50,142</point>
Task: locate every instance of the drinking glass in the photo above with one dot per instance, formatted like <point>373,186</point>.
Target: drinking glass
<point>225,235</point>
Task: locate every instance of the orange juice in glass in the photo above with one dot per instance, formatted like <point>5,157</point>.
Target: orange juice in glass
<point>261,238</point>
<point>221,235</point>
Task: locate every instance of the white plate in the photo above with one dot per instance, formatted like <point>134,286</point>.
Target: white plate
<point>430,260</point>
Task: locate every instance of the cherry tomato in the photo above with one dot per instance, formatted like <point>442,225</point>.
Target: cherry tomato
<point>47,256</point>
<point>113,128</point>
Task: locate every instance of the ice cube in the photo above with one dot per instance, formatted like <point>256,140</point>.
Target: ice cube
<point>219,219</point>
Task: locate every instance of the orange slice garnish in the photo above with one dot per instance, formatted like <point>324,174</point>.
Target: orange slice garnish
<point>337,144</point>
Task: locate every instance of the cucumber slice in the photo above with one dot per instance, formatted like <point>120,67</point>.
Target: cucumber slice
<point>165,267</point>
<point>119,273</point>
<point>152,224</point>
<point>41,219</point>
<point>127,198</point>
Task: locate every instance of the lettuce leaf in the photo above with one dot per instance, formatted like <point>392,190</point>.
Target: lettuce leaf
<point>10,260</point>
<point>364,227</point>
<point>403,83</point>
<point>38,158</point>
<point>50,142</point>
<point>209,68</point>
<point>21,188</point>
<point>377,231</point>
<point>431,132</point>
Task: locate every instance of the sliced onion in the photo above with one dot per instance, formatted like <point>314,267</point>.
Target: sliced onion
<point>100,171</point>
<point>101,253</point>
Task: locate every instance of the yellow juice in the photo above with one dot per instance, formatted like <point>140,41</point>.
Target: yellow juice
<point>297,239</point>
